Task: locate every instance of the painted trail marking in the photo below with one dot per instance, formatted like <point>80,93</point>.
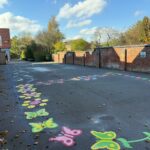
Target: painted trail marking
<point>38,127</point>
<point>39,113</point>
<point>109,140</point>
<point>67,136</point>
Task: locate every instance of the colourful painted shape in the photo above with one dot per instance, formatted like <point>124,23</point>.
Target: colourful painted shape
<point>105,140</point>
<point>32,94</point>
<point>44,100</point>
<point>127,144</point>
<point>38,127</point>
<point>39,113</point>
<point>43,104</point>
<point>106,144</point>
<point>67,136</point>
<point>104,135</point>
<point>33,104</point>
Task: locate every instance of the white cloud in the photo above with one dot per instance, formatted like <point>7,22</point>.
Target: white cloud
<point>79,14</point>
<point>73,24</point>
<point>83,9</point>
<point>138,13</point>
<point>3,2</point>
<point>18,24</point>
<point>87,31</point>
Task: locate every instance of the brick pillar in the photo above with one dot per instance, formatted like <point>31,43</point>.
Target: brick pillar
<point>65,58</point>
<point>125,60</point>
<point>99,58</point>
<point>73,58</point>
<point>84,60</point>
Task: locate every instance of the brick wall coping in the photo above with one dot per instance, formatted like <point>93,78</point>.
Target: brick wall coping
<point>126,46</point>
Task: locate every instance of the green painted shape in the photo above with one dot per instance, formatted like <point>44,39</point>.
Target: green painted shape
<point>143,139</point>
<point>31,106</point>
<point>43,104</point>
<point>107,144</point>
<point>104,135</point>
<point>124,142</point>
<point>27,97</point>
<point>25,104</point>
<point>45,100</point>
<point>21,96</point>
<point>127,144</point>
<point>39,113</point>
<point>38,127</point>
<point>147,134</point>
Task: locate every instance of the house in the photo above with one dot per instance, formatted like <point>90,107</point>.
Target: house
<point>5,42</point>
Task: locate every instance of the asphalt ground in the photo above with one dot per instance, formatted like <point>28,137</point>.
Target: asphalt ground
<point>80,98</point>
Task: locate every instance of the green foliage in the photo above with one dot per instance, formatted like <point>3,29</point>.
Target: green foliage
<point>50,36</point>
<point>48,57</point>
<point>30,50</point>
<point>15,47</point>
<point>59,47</point>
<point>146,30</point>
<point>19,44</point>
<point>40,48</point>
<point>53,30</point>
<point>23,55</point>
<point>79,45</point>
<point>39,56</point>
<point>44,38</point>
<point>136,34</point>
<point>41,53</point>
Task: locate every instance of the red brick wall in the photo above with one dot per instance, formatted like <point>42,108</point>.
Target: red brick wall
<point>59,57</point>
<point>2,58</point>
<point>114,57</point>
<point>110,58</point>
<point>79,58</point>
<point>69,58</point>
<point>4,33</point>
<point>139,63</point>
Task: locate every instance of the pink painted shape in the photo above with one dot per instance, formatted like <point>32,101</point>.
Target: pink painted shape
<point>64,140</point>
<point>73,132</point>
<point>67,137</point>
<point>35,102</point>
<point>31,94</point>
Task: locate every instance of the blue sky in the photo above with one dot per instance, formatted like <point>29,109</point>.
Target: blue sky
<point>77,18</point>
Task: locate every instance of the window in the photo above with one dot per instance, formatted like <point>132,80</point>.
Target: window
<point>143,54</point>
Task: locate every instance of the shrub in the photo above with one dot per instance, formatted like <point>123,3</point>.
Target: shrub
<point>39,55</point>
<point>23,55</point>
<point>48,57</point>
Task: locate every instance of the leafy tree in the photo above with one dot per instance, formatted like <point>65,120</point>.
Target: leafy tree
<point>30,50</point>
<point>44,38</point>
<point>19,44</point>
<point>146,30</point>
<point>139,33</point>
<point>79,45</point>
<point>50,36</point>
<point>59,47</point>
<point>53,29</point>
<point>15,47</point>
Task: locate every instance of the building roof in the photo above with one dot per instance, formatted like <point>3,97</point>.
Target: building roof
<point>5,38</point>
